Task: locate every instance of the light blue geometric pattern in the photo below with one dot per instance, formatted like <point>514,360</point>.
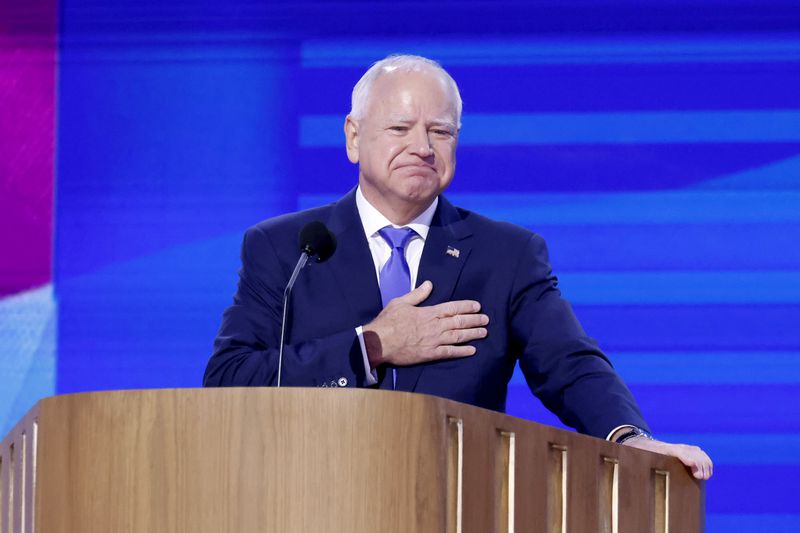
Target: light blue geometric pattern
<point>27,352</point>
<point>781,175</point>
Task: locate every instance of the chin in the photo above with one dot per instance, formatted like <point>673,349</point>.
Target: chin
<point>422,186</point>
<point>420,195</point>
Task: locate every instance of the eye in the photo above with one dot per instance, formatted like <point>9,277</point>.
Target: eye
<point>398,129</point>
<point>442,133</point>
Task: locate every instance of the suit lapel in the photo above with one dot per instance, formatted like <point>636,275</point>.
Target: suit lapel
<point>446,250</point>
<point>352,264</point>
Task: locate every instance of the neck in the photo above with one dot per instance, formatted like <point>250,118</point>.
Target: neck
<point>399,213</point>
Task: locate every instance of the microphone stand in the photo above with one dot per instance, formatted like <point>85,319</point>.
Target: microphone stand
<point>298,267</point>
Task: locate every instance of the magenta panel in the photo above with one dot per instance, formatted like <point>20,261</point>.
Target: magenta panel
<point>27,142</point>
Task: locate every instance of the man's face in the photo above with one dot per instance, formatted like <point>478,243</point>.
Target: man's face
<point>406,143</point>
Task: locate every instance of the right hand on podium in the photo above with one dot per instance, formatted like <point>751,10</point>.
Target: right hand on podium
<point>404,334</point>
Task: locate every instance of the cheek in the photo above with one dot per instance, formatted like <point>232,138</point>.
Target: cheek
<point>391,151</point>
<point>447,157</point>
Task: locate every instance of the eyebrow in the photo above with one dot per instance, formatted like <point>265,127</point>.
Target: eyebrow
<point>437,122</point>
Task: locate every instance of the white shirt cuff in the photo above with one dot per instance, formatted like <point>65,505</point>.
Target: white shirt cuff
<point>609,433</point>
<point>372,375</point>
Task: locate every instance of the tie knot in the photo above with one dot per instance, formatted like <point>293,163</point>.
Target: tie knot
<point>396,237</point>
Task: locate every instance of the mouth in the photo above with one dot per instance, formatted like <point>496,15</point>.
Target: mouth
<point>416,166</point>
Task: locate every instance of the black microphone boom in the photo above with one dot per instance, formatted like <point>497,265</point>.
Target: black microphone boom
<point>316,241</point>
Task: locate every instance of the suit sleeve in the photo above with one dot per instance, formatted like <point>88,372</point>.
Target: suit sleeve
<point>564,367</point>
<point>246,347</point>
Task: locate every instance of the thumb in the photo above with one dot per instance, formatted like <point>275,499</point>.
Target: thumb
<point>418,295</point>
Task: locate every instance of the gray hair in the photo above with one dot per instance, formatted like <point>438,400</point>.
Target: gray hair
<point>404,63</point>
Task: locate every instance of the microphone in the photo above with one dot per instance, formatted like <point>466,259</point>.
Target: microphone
<point>316,241</point>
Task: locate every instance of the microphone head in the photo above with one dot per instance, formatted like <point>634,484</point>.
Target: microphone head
<point>316,240</point>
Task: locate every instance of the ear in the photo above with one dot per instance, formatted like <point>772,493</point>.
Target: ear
<point>351,138</point>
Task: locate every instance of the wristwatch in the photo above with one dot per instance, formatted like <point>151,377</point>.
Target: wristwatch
<point>633,431</point>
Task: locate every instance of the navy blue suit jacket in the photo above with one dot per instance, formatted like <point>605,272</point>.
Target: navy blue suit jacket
<point>504,267</point>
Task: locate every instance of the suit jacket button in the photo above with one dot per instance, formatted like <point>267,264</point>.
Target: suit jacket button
<point>343,382</point>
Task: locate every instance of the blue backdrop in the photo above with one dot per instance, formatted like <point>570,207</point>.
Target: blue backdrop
<point>655,145</point>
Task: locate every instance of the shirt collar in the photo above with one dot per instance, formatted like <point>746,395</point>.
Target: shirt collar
<point>373,220</point>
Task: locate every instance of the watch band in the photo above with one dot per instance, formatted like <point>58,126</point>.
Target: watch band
<point>633,432</point>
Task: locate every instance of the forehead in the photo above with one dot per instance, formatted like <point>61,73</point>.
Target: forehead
<point>400,92</point>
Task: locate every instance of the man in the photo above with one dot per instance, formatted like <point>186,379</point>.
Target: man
<point>485,297</point>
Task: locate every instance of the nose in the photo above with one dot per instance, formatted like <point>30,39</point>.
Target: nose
<point>420,143</point>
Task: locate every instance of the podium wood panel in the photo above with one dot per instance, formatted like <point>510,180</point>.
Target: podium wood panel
<point>314,460</point>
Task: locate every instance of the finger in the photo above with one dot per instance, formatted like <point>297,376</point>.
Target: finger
<point>703,461</point>
<point>448,351</point>
<point>700,465</point>
<point>460,336</point>
<point>700,472</point>
<point>463,322</point>
<point>696,468</point>
<point>457,307</point>
<point>707,467</point>
<point>418,295</point>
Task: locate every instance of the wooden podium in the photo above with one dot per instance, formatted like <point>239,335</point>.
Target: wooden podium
<point>323,460</point>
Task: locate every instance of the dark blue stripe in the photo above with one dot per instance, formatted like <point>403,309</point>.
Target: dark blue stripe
<point>718,368</point>
<point>693,327</point>
<point>359,52</point>
<point>667,207</point>
<point>636,288</point>
<point>630,87</point>
<point>610,87</point>
<point>753,490</point>
<point>619,167</point>
<point>631,128</point>
<point>598,168</point>
<point>773,523</point>
<point>683,247</point>
<point>727,449</point>
<point>671,409</point>
<point>720,408</point>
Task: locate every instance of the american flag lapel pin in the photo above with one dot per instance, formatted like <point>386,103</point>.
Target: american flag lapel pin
<point>453,252</point>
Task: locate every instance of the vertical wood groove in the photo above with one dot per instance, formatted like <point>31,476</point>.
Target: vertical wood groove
<point>12,467</point>
<point>455,473</point>
<point>609,496</point>
<point>23,482</point>
<point>506,466</point>
<point>2,492</point>
<point>33,473</point>
<point>661,478</point>
<point>557,488</point>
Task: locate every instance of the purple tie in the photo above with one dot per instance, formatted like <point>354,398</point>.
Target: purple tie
<point>395,280</point>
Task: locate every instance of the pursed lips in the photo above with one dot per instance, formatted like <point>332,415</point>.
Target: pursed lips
<point>415,165</point>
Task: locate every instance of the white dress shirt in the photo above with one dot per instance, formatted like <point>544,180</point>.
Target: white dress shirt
<point>372,221</point>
